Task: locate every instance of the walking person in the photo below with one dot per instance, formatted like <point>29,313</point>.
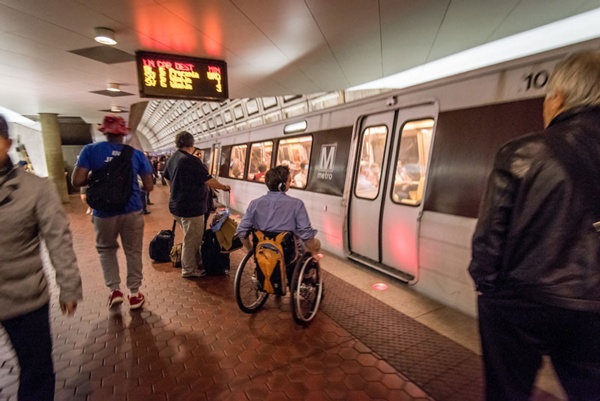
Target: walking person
<point>127,223</point>
<point>190,182</point>
<point>30,210</point>
<point>536,247</point>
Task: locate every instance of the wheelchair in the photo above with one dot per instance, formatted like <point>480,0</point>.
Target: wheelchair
<point>305,285</point>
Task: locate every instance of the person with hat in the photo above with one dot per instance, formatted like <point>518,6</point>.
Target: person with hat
<point>31,211</point>
<point>127,223</point>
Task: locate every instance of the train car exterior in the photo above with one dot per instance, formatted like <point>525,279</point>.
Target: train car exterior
<point>395,181</point>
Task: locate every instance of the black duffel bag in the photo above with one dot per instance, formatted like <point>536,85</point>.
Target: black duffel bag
<point>161,245</point>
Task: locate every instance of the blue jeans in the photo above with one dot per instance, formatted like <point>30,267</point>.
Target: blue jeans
<point>130,227</point>
<point>32,342</point>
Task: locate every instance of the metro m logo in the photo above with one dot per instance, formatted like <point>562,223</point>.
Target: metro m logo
<point>327,159</point>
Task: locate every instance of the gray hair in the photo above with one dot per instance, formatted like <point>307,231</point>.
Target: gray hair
<point>184,140</point>
<point>578,78</point>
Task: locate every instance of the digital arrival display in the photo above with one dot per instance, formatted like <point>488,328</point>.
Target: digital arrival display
<point>180,77</point>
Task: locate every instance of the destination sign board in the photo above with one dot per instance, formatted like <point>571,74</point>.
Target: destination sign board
<point>171,76</point>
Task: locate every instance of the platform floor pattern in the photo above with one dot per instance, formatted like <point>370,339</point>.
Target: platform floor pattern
<point>191,342</point>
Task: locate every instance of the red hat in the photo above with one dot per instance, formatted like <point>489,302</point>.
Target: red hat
<point>114,125</point>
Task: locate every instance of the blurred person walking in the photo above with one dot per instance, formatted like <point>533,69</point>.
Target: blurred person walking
<point>31,211</point>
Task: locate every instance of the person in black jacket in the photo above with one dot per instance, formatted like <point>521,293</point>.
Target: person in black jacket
<point>536,247</point>
<point>189,181</point>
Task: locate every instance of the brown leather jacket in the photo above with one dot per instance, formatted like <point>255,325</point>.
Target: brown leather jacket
<point>535,237</point>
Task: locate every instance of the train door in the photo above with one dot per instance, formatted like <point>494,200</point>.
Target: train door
<point>385,203</point>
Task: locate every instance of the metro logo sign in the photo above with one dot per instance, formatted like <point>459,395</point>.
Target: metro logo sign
<point>327,162</point>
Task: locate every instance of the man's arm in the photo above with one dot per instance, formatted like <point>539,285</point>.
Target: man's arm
<point>214,184</point>
<point>147,182</point>
<point>80,178</point>
<point>490,237</point>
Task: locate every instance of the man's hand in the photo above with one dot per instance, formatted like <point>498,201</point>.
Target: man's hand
<point>68,308</point>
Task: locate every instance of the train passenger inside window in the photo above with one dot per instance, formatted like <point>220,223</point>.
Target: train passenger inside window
<point>364,186</point>
<point>374,173</point>
<point>278,212</point>
<point>260,176</point>
<point>301,177</point>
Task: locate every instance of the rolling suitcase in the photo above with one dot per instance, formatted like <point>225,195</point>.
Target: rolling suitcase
<point>215,263</point>
<point>161,245</point>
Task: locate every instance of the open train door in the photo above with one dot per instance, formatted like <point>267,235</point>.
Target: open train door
<point>389,177</point>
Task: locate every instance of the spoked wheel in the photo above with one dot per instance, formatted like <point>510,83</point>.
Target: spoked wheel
<point>248,295</point>
<point>306,290</point>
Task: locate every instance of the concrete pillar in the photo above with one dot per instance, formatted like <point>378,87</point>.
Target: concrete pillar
<point>54,156</point>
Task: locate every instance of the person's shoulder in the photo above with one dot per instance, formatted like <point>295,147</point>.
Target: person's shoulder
<point>522,143</point>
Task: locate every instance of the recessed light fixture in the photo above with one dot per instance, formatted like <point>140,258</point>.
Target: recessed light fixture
<point>115,109</point>
<point>113,87</point>
<point>105,36</point>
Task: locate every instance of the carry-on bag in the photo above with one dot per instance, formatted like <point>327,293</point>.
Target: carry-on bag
<point>161,245</point>
<point>215,256</point>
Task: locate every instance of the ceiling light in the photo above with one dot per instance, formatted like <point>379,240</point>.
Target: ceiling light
<point>113,87</point>
<point>115,109</point>
<point>105,36</point>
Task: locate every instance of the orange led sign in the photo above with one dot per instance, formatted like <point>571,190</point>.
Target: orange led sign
<point>171,76</point>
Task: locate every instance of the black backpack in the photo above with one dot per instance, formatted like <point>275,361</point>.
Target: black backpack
<point>111,186</point>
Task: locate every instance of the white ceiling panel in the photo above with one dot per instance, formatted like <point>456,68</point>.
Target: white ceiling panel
<point>272,47</point>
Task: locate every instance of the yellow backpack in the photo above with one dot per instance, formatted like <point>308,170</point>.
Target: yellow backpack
<point>270,261</point>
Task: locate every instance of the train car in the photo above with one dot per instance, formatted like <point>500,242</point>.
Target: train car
<point>394,181</point>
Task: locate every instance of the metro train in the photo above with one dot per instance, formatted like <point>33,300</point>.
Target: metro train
<point>394,181</point>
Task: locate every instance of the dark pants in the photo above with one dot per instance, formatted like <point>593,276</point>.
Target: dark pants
<point>516,333</point>
<point>31,340</point>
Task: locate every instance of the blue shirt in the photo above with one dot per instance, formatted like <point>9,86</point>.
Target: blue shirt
<point>277,212</point>
<point>95,155</point>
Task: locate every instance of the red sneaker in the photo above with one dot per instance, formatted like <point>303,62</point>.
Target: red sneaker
<point>136,301</point>
<point>115,299</point>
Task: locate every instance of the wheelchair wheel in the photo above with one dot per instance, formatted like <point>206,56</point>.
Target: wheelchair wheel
<point>248,295</point>
<point>306,290</point>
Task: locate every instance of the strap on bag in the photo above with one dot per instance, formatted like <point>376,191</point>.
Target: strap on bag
<point>174,226</point>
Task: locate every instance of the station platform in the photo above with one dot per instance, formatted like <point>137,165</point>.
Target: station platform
<point>190,341</point>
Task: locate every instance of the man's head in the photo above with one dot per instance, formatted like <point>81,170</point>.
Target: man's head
<point>114,125</point>
<point>5,141</point>
<point>184,140</point>
<point>574,82</point>
<point>278,178</point>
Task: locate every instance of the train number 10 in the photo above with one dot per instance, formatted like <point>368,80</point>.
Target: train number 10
<point>536,80</point>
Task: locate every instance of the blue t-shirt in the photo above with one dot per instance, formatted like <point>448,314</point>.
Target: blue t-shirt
<point>95,155</point>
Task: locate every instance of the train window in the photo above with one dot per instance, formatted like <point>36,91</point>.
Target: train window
<point>224,161</point>
<point>238,161</point>
<point>411,164</point>
<point>260,160</point>
<point>205,156</point>
<point>368,179</point>
<point>295,153</point>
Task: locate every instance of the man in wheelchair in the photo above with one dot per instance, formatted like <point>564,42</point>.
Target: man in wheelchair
<point>278,212</point>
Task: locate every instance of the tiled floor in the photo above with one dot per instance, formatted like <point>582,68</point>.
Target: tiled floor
<point>191,342</point>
